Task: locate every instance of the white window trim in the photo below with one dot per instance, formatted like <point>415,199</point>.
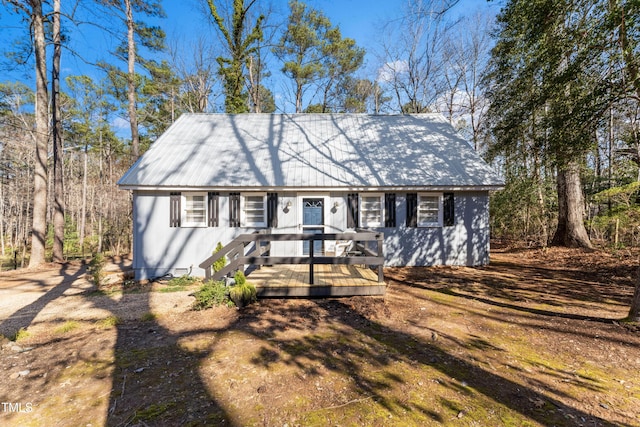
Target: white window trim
<point>362,222</point>
<point>440,211</point>
<point>183,213</point>
<point>243,213</point>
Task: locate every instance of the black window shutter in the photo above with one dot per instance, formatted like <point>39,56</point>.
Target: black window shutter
<point>390,210</point>
<point>448,206</point>
<point>234,209</point>
<point>213,209</point>
<point>412,209</point>
<point>272,210</point>
<point>352,210</point>
<point>174,209</point>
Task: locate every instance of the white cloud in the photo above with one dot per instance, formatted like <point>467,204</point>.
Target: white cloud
<point>387,72</point>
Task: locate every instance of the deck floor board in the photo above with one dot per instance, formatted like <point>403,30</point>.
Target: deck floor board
<point>330,280</point>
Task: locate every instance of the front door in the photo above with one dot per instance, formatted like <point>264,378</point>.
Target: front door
<point>312,222</point>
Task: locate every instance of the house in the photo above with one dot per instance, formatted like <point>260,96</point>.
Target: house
<point>212,177</point>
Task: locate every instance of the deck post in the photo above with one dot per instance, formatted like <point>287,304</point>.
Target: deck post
<point>311,245</point>
<point>380,240</point>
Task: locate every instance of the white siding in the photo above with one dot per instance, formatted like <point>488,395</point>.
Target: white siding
<point>160,249</point>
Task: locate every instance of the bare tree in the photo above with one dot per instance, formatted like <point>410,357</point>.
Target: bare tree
<point>412,55</point>
<point>467,50</point>
<point>58,190</point>
<point>32,9</point>
<point>195,67</point>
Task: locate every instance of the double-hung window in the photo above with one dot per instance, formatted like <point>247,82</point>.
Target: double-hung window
<point>429,210</point>
<point>254,210</point>
<point>194,210</point>
<point>372,210</point>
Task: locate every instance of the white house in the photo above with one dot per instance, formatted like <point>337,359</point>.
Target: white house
<point>212,177</point>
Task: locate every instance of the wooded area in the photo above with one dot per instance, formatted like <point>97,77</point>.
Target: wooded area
<point>548,91</point>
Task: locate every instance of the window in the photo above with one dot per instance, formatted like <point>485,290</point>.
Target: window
<point>254,210</point>
<point>429,210</point>
<point>371,210</point>
<point>194,212</point>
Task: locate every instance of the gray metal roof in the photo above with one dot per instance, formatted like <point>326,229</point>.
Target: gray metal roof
<point>310,151</point>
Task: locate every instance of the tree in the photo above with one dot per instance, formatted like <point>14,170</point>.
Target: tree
<point>551,83</point>
<point>194,66</point>
<point>240,43</point>
<point>359,96</point>
<point>137,34</point>
<point>466,52</point>
<point>314,53</point>
<point>300,48</point>
<point>412,55</point>
<point>56,119</point>
<point>16,165</point>
<point>32,10</point>
<point>342,58</point>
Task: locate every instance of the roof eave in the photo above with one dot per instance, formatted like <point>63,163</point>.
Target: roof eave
<point>489,187</point>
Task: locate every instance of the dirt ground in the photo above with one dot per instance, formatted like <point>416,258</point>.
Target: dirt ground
<point>535,338</point>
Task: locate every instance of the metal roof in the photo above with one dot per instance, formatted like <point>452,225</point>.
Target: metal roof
<point>310,151</point>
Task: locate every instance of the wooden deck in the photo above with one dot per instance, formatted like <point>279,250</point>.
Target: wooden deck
<point>330,280</point>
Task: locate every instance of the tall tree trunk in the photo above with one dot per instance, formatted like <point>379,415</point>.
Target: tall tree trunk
<point>39,228</point>
<point>634,311</point>
<point>131,81</point>
<point>571,231</point>
<point>83,205</point>
<point>58,189</point>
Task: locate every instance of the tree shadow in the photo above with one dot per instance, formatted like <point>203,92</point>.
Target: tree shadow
<point>156,381</point>
<point>24,316</point>
<point>382,347</point>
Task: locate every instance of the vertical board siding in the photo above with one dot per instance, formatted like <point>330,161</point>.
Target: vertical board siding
<point>412,209</point>
<point>390,210</point>
<point>214,209</point>
<point>175,209</point>
<point>234,209</point>
<point>272,210</point>
<point>448,205</point>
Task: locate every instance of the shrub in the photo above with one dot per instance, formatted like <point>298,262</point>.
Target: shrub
<point>242,293</point>
<point>210,294</point>
<point>96,269</point>
<point>219,264</point>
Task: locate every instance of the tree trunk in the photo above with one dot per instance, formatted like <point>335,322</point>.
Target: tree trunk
<point>58,189</point>
<point>39,228</point>
<point>571,231</point>
<point>83,205</point>
<point>131,81</point>
<point>634,311</point>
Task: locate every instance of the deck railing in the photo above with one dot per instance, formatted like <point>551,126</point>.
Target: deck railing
<point>237,255</point>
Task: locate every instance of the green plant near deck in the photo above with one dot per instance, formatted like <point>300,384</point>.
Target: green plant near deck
<point>96,269</point>
<point>242,293</point>
<point>210,294</point>
<point>21,334</point>
<point>219,264</point>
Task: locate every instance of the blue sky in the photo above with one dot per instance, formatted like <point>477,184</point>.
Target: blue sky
<point>358,19</point>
